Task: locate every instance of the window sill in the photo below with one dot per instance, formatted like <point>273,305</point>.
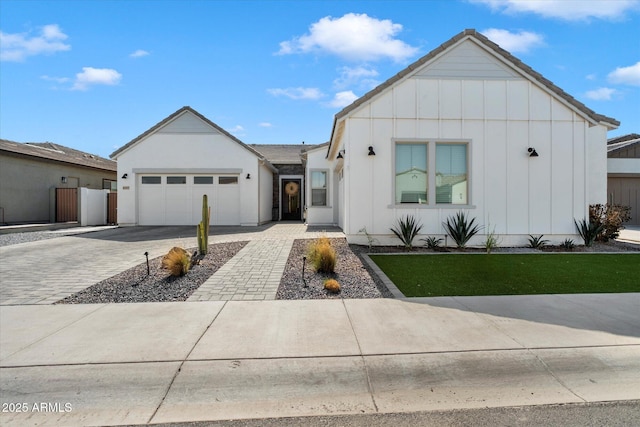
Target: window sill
<point>426,206</point>
<point>319,207</point>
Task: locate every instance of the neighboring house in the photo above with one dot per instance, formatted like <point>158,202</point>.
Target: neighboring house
<point>623,173</point>
<point>164,172</point>
<point>29,172</point>
<point>288,181</point>
<point>481,131</point>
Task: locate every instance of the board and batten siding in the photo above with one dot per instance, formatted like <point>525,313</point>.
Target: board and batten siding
<point>499,114</point>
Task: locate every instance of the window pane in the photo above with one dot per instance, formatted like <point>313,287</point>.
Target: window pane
<point>318,188</point>
<point>203,180</point>
<point>318,197</point>
<point>411,173</point>
<point>228,180</point>
<point>151,180</point>
<point>176,180</point>
<point>451,174</point>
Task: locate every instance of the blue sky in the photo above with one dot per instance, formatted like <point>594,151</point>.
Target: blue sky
<point>92,75</point>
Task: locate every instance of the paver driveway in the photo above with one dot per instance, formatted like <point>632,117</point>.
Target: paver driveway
<point>46,271</point>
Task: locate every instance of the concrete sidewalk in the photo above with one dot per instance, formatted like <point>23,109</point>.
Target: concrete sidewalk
<point>175,362</point>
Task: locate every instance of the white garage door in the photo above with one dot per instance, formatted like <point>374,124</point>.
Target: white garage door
<point>177,199</point>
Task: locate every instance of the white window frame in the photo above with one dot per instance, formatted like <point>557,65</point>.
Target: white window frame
<point>327,188</point>
<point>431,144</point>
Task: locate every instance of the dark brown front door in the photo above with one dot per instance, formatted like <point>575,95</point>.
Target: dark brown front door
<point>291,203</point>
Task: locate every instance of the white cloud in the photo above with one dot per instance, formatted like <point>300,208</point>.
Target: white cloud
<point>138,53</point>
<point>265,125</point>
<point>96,76</point>
<point>342,99</point>
<point>590,77</point>
<point>360,76</point>
<point>601,94</point>
<point>298,92</point>
<point>520,42</point>
<point>626,75</point>
<point>237,130</point>
<point>576,10</point>
<point>55,79</point>
<point>354,37</point>
<point>17,47</point>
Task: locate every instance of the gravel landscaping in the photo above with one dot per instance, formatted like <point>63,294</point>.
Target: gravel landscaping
<point>134,285</point>
<point>355,279</point>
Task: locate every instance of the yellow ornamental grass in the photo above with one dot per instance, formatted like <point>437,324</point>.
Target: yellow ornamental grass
<point>322,255</point>
<point>177,261</point>
<point>332,285</point>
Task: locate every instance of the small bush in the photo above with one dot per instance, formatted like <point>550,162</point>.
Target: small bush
<point>177,261</point>
<point>406,230</point>
<point>537,242</point>
<point>492,241</point>
<point>460,229</point>
<point>568,244</point>
<point>432,242</point>
<point>611,218</point>
<point>322,255</point>
<point>588,230</point>
<point>332,285</point>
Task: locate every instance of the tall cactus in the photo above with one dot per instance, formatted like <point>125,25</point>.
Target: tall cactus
<point>203,227</point>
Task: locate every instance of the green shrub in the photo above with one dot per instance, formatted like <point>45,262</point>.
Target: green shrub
<point>177,261</point>
<point>322,255</point>
<point>611,218</point>
<point>432,242</point>
<point>460,229</point>
<point>568,244</point>
<point>537,242</point>
<point>406,230</point>
<point>588,230</point>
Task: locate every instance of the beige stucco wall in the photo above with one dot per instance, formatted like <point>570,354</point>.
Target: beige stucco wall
<point>25,185</point>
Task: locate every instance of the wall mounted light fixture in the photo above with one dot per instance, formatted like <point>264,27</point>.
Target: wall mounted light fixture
<point>125,176</point>
<point>248,176</point>
<point>532,152</point>
<point>63,179</point>
<point>340,154</point>
<point>371,152</point>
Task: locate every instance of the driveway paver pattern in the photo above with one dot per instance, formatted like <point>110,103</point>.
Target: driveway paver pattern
<point>45,271</point>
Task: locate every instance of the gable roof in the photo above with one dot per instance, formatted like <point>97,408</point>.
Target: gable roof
<point>177,114</point>
<point>283,154</point>
<point>623,138</point>
<point>59,153</point>
<point>501,53</point>
<point>626,146</point>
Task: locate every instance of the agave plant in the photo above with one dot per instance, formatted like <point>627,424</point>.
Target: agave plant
<point>460,229</point>
<point>588,230</point>
<point>432,242</point>
<point>568,244</point>
<point>406,230</point>
<point>537,242</point>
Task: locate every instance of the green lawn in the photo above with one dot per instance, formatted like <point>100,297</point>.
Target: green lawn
<point>429,275</point>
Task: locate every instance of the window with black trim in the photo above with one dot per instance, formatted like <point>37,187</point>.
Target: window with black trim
<point>176,180</point>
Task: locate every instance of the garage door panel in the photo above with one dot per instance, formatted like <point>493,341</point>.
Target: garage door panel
<point>177,200</point>
<point>228,204</point>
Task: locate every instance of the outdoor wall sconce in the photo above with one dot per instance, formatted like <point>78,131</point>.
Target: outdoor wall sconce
<point>371,152</point>
<point>532,152</point>
<point>340,154</point>
<point>125,176</point>
<point>63,179</point>
<point>248,176</point>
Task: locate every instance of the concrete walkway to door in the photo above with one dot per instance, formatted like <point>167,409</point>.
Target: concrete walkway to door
<point>255,272</point>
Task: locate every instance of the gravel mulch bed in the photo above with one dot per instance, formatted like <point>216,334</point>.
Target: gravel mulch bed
<point>134,285</point>
<point>354,278</point>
